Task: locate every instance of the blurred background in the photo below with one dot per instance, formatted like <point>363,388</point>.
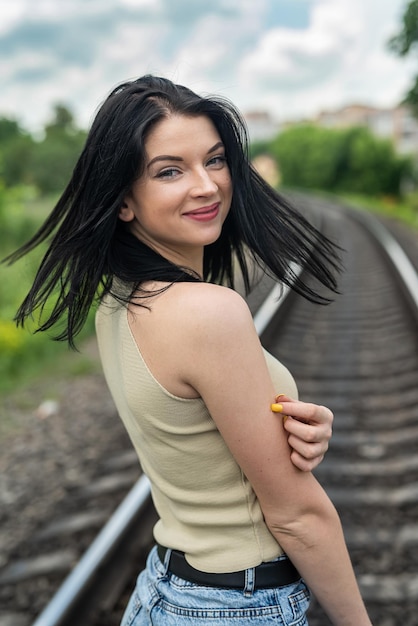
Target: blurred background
<point>328,89</point>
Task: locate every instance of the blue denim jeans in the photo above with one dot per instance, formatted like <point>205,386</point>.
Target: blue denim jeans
<point>163,599</point>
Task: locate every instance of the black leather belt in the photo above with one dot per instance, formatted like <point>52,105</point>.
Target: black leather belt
<point>271,574</point>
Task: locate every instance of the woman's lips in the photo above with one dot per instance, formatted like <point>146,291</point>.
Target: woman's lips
<point>204,214</point>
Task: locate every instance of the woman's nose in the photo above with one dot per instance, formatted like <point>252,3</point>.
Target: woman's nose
<point>203,184</point>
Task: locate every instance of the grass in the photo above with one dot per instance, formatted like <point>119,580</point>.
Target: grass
<point>405,210</point>
<point>24,356</point>
<point>38,355</point>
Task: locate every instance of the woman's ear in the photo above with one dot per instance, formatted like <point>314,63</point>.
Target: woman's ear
<point>126,213</point>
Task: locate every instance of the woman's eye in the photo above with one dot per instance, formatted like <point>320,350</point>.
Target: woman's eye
<point>218,160</point>
<point>168,173</point>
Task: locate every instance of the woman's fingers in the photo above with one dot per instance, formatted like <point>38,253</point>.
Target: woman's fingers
<point>303,463</point>
<point>309,427</point>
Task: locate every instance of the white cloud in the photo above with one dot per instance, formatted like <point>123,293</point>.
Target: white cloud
<point>292,57</point>
<point>341,56</point>
<point>75,51</point>
<point>11,13</point>
<point>204,52</point>
<point>147,4</point>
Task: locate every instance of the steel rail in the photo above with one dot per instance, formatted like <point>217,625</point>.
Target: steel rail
<point>104,544</point>
<point>406,271</point>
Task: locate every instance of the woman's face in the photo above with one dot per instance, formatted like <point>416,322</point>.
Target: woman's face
<point>180,203</point>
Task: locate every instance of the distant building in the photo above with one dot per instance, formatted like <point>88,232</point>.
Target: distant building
<point>397,123</point>
<point>261,126</point>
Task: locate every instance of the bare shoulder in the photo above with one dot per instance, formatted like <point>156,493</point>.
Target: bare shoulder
<point>207,291</point>
<point>215,328</point>
<point>199,322</point>
<point>211,306</point>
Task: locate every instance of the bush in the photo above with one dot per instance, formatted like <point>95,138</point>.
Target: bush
<point>349,160</point>
<point>47,163</point>
<point>17,222</point>
<point>22,353</point>
<point>54,160</point>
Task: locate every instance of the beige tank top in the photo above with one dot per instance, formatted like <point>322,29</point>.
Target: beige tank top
<point>206,506</point>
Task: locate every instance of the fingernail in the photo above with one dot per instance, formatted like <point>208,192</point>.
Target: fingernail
<point>285,418</point>
<point>277,408</point>
<point>279,396</point>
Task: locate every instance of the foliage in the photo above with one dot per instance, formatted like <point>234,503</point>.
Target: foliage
<point>17,221</point>
<point>371,165</point>
<point>411,97</point>
<point>16,153</point>
<point>307,156</point>
<point>55,158</point>
<point>339,160</point>
<point>9,129</point>
<point>405,42</point>
<point>22,353</point>
<point>57,153</point>
<point>46,163</point>
<point>407,38</point>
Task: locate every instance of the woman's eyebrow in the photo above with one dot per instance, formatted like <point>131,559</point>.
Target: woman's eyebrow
<point>164,157</point>
<point>216,147</point>
<point>168,157</point>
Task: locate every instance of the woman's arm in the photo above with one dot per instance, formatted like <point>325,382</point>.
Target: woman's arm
<point>218,335</point>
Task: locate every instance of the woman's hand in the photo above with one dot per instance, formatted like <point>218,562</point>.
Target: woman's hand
<point>309,428</point>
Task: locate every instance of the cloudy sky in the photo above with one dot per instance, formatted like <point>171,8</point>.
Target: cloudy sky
<point>292,58</point>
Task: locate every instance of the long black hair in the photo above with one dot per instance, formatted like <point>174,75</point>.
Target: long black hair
<point>91,250</point>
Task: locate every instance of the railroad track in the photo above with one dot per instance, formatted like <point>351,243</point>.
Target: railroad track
<point>360,357</point>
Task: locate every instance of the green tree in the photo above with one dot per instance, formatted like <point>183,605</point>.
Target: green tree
<point>371,165</point>
<point>308,156</point>
<point>16,150</point>
<point>56,154</point>
<point>9,129</point>
<point>63,120</point>
<point>352,159</point>
<point>47,164</point>
<point>406,42</point>
<point>18,155</point>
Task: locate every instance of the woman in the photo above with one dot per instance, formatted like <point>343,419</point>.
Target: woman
<point>162,209</point>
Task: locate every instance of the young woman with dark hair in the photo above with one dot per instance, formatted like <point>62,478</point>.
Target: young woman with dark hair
<point>161,213</point>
